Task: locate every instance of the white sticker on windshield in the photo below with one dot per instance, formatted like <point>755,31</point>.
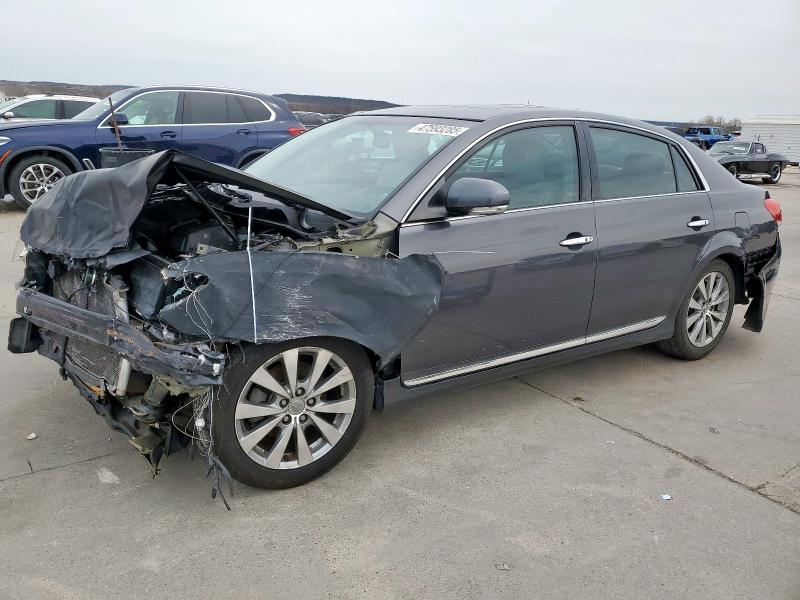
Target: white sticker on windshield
<point>432,129</point>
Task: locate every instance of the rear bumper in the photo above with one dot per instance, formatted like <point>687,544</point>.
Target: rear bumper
<point>760,290</point>
<point>190,364</point>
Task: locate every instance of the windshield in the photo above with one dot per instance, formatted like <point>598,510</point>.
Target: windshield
<point>4,106</point>
<point>730,148</point>
<point>355,164</point>
<point>98,110</point>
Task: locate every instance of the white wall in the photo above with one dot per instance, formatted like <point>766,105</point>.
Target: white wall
<point>783,138</point>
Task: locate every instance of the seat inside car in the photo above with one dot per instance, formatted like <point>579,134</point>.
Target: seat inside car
<point>533,174</point>
<point>644,173</point>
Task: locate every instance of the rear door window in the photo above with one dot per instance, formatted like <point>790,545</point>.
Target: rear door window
<point>235,110</point>
<point>204,108</point>
<point>630,165</point>
<point>73,107</point>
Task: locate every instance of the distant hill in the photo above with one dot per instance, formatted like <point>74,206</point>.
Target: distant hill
<point>23,88</point>
<point>321,104</point>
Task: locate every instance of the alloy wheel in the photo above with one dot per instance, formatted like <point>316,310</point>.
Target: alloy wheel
<point>295,407</point>
<point>775,173</point>
<point>38,179</point>
<point>708,309</point>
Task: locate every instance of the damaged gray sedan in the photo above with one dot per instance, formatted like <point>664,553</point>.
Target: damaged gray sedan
<point>261,315</point>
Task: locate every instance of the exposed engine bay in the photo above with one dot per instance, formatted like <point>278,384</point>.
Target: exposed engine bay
<point>146,282</point>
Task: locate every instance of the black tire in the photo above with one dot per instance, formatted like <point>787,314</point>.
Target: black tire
<point>775,172</point>
<point>226,444</point>
<point>733,169</point>
<point>14,186</point>
<point>679,345</point>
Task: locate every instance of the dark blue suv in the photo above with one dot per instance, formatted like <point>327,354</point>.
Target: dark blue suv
<point>230,127</point>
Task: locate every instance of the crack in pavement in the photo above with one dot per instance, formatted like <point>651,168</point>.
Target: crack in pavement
<point>785,296</point>
<point>54,467</point>
<point>757,489</point>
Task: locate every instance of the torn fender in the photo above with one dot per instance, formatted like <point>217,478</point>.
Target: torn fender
<point>380,303</point>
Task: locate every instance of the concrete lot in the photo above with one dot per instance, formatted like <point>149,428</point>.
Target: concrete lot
<point>546,486</point>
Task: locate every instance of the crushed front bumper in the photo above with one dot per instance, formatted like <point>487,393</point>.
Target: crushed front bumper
<point>191,364</point>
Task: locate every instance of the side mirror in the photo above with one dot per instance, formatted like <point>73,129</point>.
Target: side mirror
<point>473,196</point>
<point>8,115</point>
<point>122,119</point>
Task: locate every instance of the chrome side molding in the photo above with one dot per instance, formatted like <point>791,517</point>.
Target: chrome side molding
<point>528,354</point>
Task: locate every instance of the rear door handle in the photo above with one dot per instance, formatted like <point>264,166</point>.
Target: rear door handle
<point>576,241</point>
<point>697,223</point>
<point>168,134</point>
<point>243,131</point>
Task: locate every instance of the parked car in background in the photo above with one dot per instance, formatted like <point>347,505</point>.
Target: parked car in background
<point>226,126</point>
<point>383,256</point>
<point>310,119</point>
<point>706,137</point>
<point>676,130</point>
<point>749,160</point>
<point>44,106</point>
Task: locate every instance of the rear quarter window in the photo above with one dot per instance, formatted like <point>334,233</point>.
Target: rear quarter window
<point>255,109</point>
<point>683,174</point>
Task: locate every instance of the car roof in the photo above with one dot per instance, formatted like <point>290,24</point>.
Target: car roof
<point>58,97</point>
<point>506,113</point>
<point>199,88</point>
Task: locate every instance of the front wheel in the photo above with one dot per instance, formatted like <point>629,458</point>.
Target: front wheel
<point>34,176</point>
<point>291,411</point>
<point>704,315</point>
<point>774,173</point>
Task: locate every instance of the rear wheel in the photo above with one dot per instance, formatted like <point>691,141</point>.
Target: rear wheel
<point>292,411</point>
<point>774,173</point>
<point>34,176</point>
<point>704,315</point>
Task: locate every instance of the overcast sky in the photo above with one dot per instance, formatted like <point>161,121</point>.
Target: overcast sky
<point>676,60</point>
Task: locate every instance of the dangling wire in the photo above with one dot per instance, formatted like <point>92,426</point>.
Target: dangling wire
<point>252,284</point>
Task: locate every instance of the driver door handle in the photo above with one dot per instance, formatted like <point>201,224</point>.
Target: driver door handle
<point>168,134</point>
<point>576,241</point>
<point>697,223</point>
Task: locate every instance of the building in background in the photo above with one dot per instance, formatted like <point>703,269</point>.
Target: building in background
<point>779,134</point>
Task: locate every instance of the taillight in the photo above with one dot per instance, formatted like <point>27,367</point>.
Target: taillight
<point>774,208</point>
<point>295,131</point>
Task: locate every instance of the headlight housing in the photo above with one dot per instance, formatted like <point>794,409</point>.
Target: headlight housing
<point>4,140</point>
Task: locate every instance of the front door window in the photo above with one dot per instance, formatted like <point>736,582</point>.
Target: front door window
<point>154,108</point>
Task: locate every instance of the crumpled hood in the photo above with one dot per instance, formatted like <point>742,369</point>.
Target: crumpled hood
<point>91,213</point>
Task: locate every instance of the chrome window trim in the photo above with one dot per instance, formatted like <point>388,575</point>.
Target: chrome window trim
<point>118,109</point>
<point>513,210</point>
<point>435,180</point>
<point>649,196</point>
<point>528,354</point>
